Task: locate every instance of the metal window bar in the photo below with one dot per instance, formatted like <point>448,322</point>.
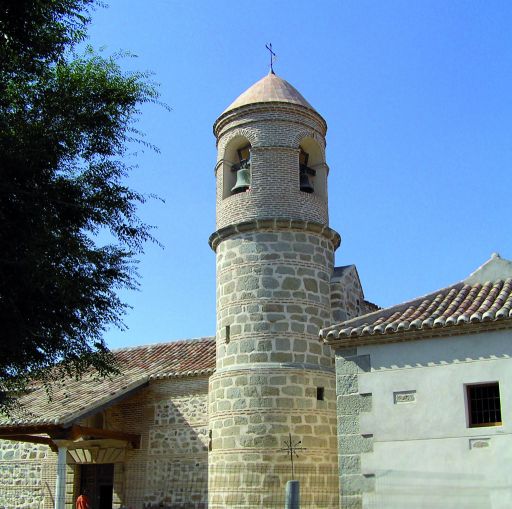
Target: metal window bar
<point>484,404</point>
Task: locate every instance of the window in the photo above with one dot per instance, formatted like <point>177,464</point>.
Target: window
<point>320,393</point>
<point>306,172</point>
<point>484,405</point>
<point>235,167</point>
<point>242,170</point>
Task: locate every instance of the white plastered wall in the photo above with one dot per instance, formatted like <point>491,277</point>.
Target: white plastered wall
<point>424,454</point>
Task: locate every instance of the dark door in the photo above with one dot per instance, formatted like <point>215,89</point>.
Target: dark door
<point>98,481</point>
<point>105,496</point>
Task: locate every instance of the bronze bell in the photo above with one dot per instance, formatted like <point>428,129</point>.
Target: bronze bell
<point>243,181</point>
<point>305,184</point>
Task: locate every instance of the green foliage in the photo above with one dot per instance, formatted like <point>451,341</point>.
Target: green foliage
<point>65,121</point>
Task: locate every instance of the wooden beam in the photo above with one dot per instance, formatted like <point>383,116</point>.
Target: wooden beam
<point>71,433</point>
<point>32,439</point>
<point>80,431</point>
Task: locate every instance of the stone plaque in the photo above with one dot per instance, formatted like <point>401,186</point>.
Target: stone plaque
<point>401,397</point>
<point>479,443</point>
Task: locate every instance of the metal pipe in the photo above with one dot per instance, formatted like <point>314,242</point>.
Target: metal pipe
<point>292,500</point>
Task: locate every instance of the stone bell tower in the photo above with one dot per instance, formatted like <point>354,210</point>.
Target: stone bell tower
<point>274,252</point>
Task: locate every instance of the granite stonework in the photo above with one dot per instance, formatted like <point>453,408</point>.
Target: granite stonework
<point>273,294</point>
<point>347,298</point>
<point>351,443</point>
<point>171,417</point>
<point>26,475</point>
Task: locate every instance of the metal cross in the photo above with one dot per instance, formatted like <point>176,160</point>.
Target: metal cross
<point>292,448</point>
<point>272,56</point>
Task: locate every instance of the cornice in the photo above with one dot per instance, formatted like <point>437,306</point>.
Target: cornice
<point>344,341</point>
<point>271,107</point>
<point>274,224</point>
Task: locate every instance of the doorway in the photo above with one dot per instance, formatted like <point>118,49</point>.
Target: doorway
<point>98,481</point>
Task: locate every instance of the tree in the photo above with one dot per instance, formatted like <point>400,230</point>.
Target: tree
<point>65,122</point>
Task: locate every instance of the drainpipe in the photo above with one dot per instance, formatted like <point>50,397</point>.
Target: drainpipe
<point>60,484</point>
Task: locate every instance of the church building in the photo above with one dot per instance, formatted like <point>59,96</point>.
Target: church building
<point>215,422</point>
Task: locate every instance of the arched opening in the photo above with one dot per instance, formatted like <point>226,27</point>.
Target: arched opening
<point>312,168</point>
<point>306,174</point>
<point>236,168</point>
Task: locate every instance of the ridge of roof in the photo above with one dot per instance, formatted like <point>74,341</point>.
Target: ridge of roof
<point>163,343</point>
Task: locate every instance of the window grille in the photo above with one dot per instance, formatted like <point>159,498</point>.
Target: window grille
<point>484,405</point>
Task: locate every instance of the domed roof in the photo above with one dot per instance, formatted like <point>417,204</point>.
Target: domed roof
<point>271,88</point>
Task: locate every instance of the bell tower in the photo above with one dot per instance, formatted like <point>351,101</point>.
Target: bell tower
<point>274,255</point>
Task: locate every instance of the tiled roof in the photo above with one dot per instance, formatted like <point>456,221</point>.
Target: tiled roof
<point>271,88</point>
<point>451,310</point>
<point>72,398</point>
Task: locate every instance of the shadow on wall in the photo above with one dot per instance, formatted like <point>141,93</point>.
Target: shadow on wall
<point>442,351</point>
<point>170,471</point>
<point>396,489</point>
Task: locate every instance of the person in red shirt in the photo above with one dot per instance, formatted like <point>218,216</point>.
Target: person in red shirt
<point>82,502</point>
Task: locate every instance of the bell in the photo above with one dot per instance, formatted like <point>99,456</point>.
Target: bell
<point>305,184</point>
<point>243,180</point>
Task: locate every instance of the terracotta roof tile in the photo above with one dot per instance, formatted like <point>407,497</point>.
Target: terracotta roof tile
<point>73,398</point>
<point>453,306</point>
<point>472,301</point>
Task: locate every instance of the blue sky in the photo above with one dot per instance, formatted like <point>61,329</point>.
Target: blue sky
<point>418,99</point>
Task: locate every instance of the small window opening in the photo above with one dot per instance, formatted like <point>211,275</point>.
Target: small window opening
<point>227,334</point>
<point>243,170</point>
<point>320,393</point>
<point>484,407</point>
<point>306,173</point>
<point>210,447</point>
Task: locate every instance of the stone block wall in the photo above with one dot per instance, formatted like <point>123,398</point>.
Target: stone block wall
<point>171,466</point>
<point>347,298</point>
<point>27,475</point>
<point>252,415</point>
<point>351,442</point>
<point>255,411</point>
<point>273,294</point>
<point>274,377</point>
